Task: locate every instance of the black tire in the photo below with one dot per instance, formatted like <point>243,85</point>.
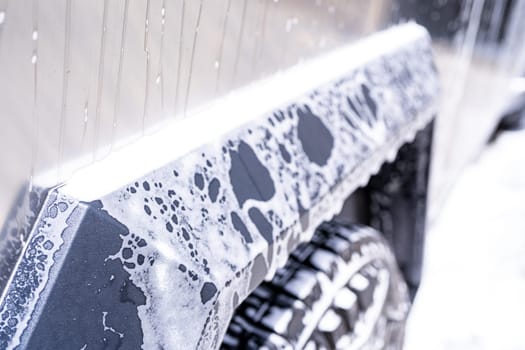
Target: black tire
<point>342,290</point>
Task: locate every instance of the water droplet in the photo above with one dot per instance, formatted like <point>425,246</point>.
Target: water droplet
<point>163,11</point>
<point>216,64</point>
<point>289,24</point>
<point>157,80</point>
<point>34,58</point>
<point>35,35</point>
<point>2,17</point>
<point>85,113</point>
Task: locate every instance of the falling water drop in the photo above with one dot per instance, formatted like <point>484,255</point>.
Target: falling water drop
<point>31,181</point>
<point>239,42</point>
<point>34,36</point>
<point>259,47</point>
<point>190,73</point>
<point>36,118</point>
<point>288,26</point>
<point>119,72</point>
<point>221,46</point>
<point>217,64</point>
<point>179,63</point>
<point>85,123</point>
<point>148,56</point>
<point>160,80</point>
<point>85,113</point>
<point>65,85</point>
<point>146,26</point>
<point>258,33</point>
<point>2,21</point>
<point>100,78</point>
<point>288,29</point>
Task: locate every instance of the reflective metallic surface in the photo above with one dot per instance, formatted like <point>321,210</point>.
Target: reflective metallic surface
<point>164,257</point>
<point>80,78</point>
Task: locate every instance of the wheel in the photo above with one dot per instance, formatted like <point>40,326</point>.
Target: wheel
<point>342,290</point>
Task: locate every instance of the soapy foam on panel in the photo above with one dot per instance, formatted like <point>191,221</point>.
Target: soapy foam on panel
<point>21,297</point>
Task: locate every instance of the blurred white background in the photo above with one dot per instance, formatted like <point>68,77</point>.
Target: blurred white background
<point>473,291</point>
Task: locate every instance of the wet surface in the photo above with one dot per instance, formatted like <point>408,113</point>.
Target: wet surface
<point>210,226</point>
<point>315,137</point>
<point>93,301</point>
